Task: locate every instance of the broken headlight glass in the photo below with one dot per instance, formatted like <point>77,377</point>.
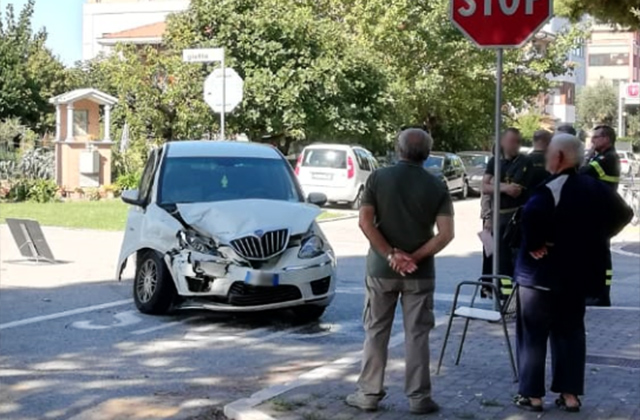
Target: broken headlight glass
<point>312,247</point>
<point>193,241</point>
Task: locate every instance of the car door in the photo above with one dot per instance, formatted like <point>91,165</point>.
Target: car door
<point>364,165</point>
<point>460,171</point>
<point>132,234</point>
<point>449,173</point>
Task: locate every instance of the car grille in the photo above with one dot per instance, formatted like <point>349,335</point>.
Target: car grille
<point>264,247</point>
<point>241,294</point>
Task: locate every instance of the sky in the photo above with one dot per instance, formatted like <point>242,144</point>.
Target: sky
<point>63,22</point>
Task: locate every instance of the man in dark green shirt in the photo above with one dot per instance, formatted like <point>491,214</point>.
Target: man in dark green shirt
<point>401,206</point>
<point>539,173</point>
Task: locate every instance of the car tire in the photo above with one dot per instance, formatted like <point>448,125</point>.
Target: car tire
<point>153,289</point>
<point>308,313</point>
<point>355,204</point>
<point>464,193</point>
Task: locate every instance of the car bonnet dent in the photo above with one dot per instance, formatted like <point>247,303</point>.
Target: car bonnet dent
<point>229,220</point>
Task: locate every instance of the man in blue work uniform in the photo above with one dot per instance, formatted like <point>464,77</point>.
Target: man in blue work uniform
<point>514,190</point>
<point>603,163</point>
<point>557,265</point>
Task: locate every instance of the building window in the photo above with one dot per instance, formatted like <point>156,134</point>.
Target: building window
<point>602,60</point>
<point>80,123</point>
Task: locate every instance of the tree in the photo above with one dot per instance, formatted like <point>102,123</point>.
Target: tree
<point>304,78</point>
<point>597,104</point>
<point>437,76</point>
<point>30,73</point>
<point>609,11</point>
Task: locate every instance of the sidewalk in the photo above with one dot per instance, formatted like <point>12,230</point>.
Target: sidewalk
<point>482,386</point>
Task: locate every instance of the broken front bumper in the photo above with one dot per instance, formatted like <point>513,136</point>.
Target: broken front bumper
<point>212,282</point>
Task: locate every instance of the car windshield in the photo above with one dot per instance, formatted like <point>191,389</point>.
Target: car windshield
<point>475,161</point>
<point>209,179</point>
<point>434,162</point>
<point>325,158</point>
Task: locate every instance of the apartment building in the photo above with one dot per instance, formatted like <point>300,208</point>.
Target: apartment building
<point>107,22</point>
<point>560,101</point>
<point>613,55</point>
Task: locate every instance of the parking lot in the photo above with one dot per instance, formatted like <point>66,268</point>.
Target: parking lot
<point>73,346</point>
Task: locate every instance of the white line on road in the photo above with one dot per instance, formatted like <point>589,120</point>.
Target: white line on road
<point>64,314</point>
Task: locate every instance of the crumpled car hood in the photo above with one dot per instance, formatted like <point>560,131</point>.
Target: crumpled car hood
<point>227,220</point>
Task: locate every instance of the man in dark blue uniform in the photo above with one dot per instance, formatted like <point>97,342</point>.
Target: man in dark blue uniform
<point>514,190</point>
<point>603,163</point>
<point>557,265</point>
<point>539,173</point>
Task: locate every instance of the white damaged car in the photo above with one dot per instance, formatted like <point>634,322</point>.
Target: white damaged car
<point>224,226</point>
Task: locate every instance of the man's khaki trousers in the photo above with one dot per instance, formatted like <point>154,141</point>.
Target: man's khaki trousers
<point>416,297</point>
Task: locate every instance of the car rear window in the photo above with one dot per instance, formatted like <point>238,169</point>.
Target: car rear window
<point>473,161</point>
<point>434,162</point>
<point>325,158</point>
<point>209,179</point>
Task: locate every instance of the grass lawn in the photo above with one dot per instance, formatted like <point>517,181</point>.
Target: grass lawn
<point>101,215</point>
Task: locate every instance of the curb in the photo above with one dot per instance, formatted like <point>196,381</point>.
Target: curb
<point>244,409</point>
<point>617,248</point>
<point>337,219</point>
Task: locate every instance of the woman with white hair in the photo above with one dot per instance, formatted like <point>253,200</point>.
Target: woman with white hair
<point>555,270</point>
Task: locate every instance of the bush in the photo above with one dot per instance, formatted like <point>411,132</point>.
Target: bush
<point>128,181</point>
<point>37,164</point>
<point>39,190</point>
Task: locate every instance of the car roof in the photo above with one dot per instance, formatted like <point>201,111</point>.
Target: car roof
<point>207,148</point>
<point>475,152</point>
<point>333,146</point>
<point>441,154</point>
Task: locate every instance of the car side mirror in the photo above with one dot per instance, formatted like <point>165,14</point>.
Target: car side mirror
<point>317,199</point>
<point>132,197</point>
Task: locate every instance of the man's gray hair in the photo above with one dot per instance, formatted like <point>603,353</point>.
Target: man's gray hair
<point>414,145</point>
<point>571,146</point>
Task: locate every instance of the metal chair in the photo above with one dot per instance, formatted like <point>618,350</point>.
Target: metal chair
<point>472,313</point>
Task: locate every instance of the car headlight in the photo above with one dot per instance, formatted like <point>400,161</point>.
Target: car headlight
<point>476,178</point>
<point>195,242</point>
<point>311,247</point>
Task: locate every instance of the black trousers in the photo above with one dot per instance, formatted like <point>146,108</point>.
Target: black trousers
<point>559,318</point>
<point>603,296</point>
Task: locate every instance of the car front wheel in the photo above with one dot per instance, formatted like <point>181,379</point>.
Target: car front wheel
<point>308,313</point>
<point>464,193</point>
<point>153,287</point>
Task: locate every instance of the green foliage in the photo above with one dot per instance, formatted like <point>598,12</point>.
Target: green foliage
<point>30,73</point>
<point>611,11</point>
<point>37,164</point>
<point>128,181</point>
<point>37,190</point>
<point>528,124</point>
<point>597,104</point>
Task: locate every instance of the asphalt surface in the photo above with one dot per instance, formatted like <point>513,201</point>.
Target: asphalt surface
<point>73,346</point>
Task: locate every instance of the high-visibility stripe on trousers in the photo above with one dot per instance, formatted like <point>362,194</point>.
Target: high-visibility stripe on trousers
<point>506,287</point>
<point>609,278</point>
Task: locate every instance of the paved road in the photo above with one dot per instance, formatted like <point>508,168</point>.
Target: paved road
<point>72,345</point>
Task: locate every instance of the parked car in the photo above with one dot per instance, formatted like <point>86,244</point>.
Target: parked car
<point>450,168</point>
<point>224,226</point>
<point>335,170</point>
<point>629,164</point>
<point>476,164</point>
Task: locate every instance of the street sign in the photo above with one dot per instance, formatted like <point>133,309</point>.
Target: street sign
<point>223,98</point>
<point>203,55</point>
<point>631,93</point>
<point>500,23</point>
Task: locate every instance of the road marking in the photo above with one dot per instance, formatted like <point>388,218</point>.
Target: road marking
<point>166,326</point>
<point>64,314</point>
<point>124,320</point>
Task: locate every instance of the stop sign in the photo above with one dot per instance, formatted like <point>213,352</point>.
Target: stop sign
<point>500,23</point>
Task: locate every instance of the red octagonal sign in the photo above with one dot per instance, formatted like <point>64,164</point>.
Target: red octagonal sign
<point>500,23</point>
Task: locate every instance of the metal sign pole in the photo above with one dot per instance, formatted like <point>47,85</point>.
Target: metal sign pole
<point>496,177</point>
<point>621,110</point>
<point>224,98</point>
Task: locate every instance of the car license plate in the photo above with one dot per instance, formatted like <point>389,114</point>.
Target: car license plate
<point>321,176</point>
<point>259,278</point>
